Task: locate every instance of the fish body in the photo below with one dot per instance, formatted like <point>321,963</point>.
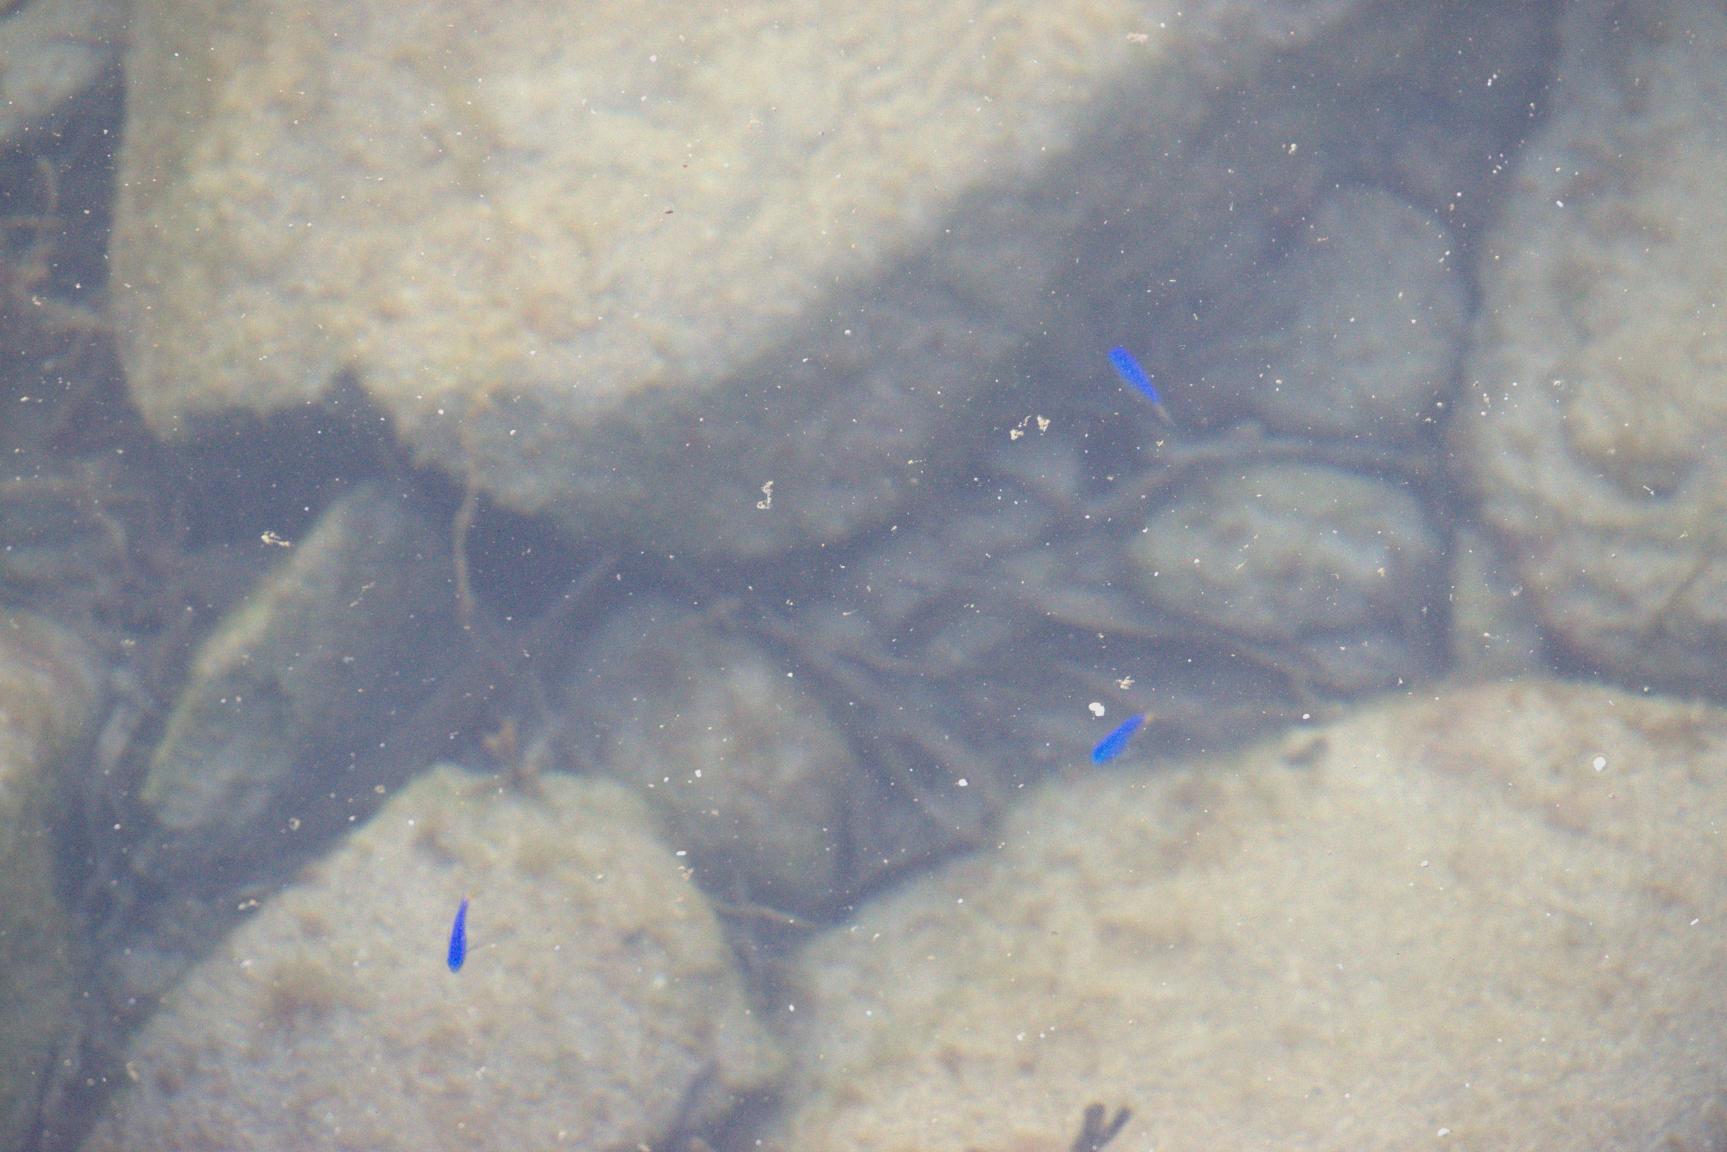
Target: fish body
<point>1138,379</point>
<point>459,937</point>
<point>1115,743</point>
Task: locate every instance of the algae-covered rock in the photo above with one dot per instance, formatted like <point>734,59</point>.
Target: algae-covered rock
<point>49,685</point>
<point>314,669</point>
<point>598,1006</point>
<point>1488,919</point>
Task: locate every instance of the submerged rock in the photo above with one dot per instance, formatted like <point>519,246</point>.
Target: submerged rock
<point>1487,919</point>
<point>598,1006</point>
<point>51,52</point>
<point>1356,334</point>
<point>49,686</point>
<point>742,763</point>
<point>304,679</point>
<point>1342,567</point>
<point>628,264</point>
<point>1596,401</point>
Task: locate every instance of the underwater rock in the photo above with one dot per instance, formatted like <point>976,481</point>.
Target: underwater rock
<point>1356,334</point>
<point>49,685</point>
<point>1595,408</point>
<point>1341,566</point>
<point>598,1006</point>
<point>1383,116</point>
<point>302,681</point>
<point>627,265</point>
<point>740,761</point>
<point>1485,919</point>
<point>51,52</point>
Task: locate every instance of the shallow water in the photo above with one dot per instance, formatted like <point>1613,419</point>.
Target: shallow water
<point>1299,527</point>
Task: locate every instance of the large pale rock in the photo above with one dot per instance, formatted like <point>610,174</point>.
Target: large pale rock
<point>1489,919</point>
<point>629,263</point>
<point>598,1007</point>
<point>1596,401</point>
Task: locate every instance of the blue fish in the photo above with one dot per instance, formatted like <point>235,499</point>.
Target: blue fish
<point>459,937</point>
<point>1136,377</point>
<point>1113,745</point>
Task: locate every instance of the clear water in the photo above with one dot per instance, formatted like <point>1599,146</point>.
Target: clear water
<point>1278,546</point>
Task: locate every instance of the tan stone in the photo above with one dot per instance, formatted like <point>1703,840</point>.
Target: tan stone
<point>598,1007</point>
<point>1487,919</point>
<point>628,263</point>
<point>1595,404</point>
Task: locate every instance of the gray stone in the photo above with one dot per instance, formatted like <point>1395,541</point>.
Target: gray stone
<point>52,51</point>
<point>49,685</point>
<point>1356,334</point>
<point>1337,564</point>
<point>740,760</point>
<point>316,668</point>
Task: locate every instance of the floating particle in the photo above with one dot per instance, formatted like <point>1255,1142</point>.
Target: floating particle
<point>1136,377</point>
<point>1112,745</point>
<point>459,937</point>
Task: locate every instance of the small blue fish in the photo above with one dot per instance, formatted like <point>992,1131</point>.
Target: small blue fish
<point>459,937</point>
<point>1112,745</point>
<point>1133,375</point>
